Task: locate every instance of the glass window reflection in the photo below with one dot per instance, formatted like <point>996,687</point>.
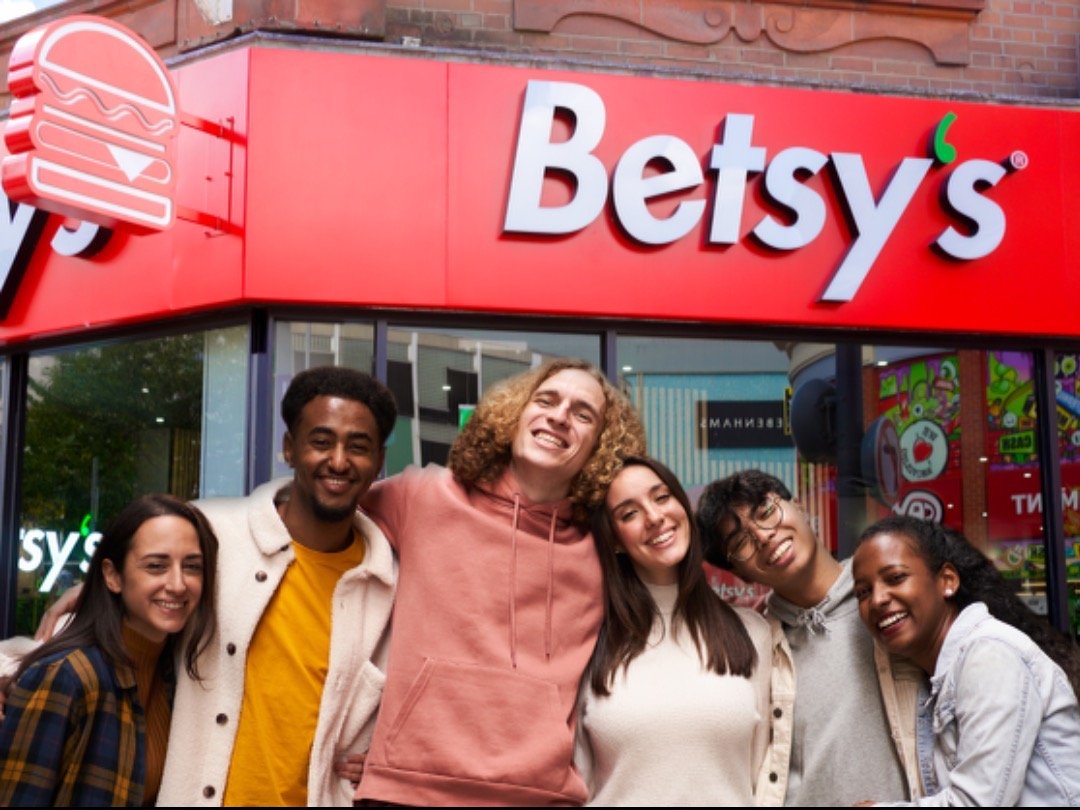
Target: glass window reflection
<point>107,423</point>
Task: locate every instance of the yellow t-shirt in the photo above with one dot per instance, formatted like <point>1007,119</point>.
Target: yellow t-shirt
<point>283,683</point>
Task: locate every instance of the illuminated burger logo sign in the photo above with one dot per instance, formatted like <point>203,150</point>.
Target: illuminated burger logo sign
<point>92,132</point>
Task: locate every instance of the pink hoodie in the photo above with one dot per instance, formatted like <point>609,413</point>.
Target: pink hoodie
<point>497,611</point>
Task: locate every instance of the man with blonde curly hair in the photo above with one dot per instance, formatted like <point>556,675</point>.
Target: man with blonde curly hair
<point>498,603</point>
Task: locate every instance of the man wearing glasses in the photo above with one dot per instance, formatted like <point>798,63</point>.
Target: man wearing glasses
<point>843,715</point>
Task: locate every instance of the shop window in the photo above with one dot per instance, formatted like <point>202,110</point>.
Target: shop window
<point>300,345</point>
<point>435,374</point>
<point>1013,512</point>
<point>399,381</point>
<point>966,453</point>
<point>434,452</point>
<point>712,408</point>
<point>453,367</point>
<point>1067,388</point>
<point>107,423</point>
<point>964,449</point>
<point>946,434</point>
<point>920,467</point>
<point>943,434</point>
<point>463,391</point>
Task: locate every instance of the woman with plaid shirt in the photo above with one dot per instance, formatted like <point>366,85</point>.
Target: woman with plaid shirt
<point>87,713</point>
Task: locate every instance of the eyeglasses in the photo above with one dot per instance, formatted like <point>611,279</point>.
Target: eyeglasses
<point>766,517</point>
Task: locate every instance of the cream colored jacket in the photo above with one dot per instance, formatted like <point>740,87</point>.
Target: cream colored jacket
<point>899,681</point>
<point>255,551</point>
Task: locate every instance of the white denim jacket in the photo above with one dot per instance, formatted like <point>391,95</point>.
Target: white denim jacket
<point>1001,727</point>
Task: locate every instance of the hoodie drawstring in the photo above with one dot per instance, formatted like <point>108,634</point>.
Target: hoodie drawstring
<point>513,583</point>
<point>813,620</point>
<point>550,586</point>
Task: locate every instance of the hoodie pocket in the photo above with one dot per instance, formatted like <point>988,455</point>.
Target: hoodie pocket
<point>484,724</point>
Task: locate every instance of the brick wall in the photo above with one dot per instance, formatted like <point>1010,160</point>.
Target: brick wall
<point>1024,50</point>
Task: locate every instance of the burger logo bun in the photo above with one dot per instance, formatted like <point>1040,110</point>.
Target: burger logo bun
<point>93,124</point>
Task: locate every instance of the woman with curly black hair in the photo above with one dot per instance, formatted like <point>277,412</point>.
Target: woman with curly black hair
<point>1001,724</point>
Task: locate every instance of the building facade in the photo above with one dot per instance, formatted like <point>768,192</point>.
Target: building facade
<point>826,238</point>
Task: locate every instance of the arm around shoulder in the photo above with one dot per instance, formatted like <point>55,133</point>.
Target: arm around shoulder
<point>386,502</point>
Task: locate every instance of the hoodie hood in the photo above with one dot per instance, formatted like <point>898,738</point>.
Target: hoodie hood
<point>503,496</point>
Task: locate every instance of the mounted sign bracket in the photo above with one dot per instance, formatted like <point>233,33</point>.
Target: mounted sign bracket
<point>218,224</point>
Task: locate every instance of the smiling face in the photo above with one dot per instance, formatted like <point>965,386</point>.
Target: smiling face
<point>162,580</point>
<point>557,433</point>
<point>901,601</point>
<point>336,452</point>
<point>784,555</point>
<point>650,524</point>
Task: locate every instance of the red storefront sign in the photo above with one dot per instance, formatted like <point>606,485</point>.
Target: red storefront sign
<point>719,202</point>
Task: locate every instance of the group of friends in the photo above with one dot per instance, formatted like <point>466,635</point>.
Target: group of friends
<point>554,638</point>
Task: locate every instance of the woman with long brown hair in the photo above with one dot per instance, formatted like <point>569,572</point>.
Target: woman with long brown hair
<point>674,710</point>
<point>88,712</point>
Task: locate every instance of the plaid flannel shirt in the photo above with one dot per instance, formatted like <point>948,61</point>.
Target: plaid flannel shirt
<point>73,734</point>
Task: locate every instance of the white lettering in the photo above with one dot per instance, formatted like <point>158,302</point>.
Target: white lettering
<point>59,556</point>
<point>782,186</point>
<point>536,155</point>
<point>1027,503</point>
<point>84,240</point>
<point>89,547</point>
<point>873,221</point>
<point>733,592</point>
<point>631,189</point>
<point>733,158</point>
<point>31,545</point>
<point>1030,503</point>
<point>20,230</point>
<point>986,216</point>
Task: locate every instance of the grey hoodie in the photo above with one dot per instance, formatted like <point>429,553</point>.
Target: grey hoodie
<point>841,752</point>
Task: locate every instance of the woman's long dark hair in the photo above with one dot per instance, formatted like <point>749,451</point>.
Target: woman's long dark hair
<point>630,612</point>
<point>980,581</point>
<point>98,614</point>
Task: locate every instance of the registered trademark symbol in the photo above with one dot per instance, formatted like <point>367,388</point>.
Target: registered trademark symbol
<point>1018,160</point>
